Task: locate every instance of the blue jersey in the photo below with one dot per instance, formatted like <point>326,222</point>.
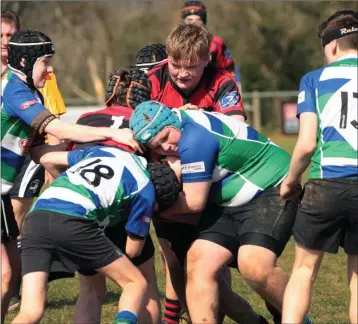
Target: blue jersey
<point>106,185</point>
<point>332,93</point>
<point>22,112</point>
<point>240,162</point>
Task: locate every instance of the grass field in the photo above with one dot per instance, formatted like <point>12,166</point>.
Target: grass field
<point>329,303</point>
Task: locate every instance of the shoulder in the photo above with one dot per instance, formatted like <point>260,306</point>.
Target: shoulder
<point>312,77</point>
<point>15,85</point>
<point>158,71</point>
<point>218,40</point>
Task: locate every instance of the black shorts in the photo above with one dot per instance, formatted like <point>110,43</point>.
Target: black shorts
<point>9,229</point>
<point>179,235</point>
<point>58,243</point>
<point>29,181</point>
<point>266,221</point>
<point>118,235</point>
<point>328,216</point>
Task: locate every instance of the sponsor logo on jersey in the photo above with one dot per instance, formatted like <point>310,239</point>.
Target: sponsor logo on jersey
<point>146,219</point>
<point>27,104</point>
<point>34,185</point>
<point>194,167</point>
<point>230,99</point>
<point>301,97</point>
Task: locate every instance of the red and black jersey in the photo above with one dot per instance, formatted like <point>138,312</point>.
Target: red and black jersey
<point>217,91</point>
<point>221,55</point>
<point>113,116</point>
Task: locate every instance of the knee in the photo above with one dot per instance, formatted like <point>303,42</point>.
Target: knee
<point>198,268</point>
<point>255,273</point>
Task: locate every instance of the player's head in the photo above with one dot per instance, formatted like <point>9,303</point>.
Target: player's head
<point>166,182</point>
<point>127,87</point>
<point>149,56</point>
<point>188,49</point>
<point>193,11</point>
<point>156,126</point>
<point>10,24</point>
<point>339,34</point>
<point>30,53</point>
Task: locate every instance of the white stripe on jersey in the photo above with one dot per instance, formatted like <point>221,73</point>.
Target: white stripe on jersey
<point>350,72</point>
<point>339,161</point>
<point>246,193</point>
<point>12,143</point>
<point>5,186</point>
<point>68,195</point>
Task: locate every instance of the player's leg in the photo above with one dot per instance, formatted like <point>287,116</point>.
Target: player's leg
<point>265,227</point>
<point>350,200</point>
<point>205,260</point>
<point>208,256</point>
<point>298,291</point>
<point>151,313</point>
<point>36,257</point>
<point>132,300</point>
<point>353,283</point>
<point>91,297</point>
<point>10,268</point>
<point>10,263</point>
<point>27,186</point>
<point>34,293</point>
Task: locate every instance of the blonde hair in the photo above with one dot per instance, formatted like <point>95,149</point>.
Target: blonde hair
<point>189,42</point>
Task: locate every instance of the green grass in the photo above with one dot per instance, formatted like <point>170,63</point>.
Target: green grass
<point>329,302</point>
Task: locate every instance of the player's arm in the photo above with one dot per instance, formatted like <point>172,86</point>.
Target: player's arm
<point>228,100</point>
<point>138,223</point>
<point>197,164</point>
<point>307,140</point>
<point>56,162</point>
<point>23,103</point>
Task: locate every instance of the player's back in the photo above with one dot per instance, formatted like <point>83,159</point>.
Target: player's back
<point>99,185</point>
<point>332,92</point>
<point>243,153</point>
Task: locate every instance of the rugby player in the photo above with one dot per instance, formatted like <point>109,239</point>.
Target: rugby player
<point>25,121</point>
<point>228,164</point>
<point>328,214</point>
<point>64,230</point>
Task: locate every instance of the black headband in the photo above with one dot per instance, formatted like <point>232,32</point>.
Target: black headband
<point>338,33</point>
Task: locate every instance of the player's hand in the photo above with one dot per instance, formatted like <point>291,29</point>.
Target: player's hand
<point>48,178</point>
<point>290,190</point>
<point>189,106</point>
<point>126,136</point>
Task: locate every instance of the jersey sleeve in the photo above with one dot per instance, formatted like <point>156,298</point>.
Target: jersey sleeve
<point>228,99</point>
<point>21,102</point>
<point>52,96</point>
<point>143,203</point>
<point>197,156</point>
<point>306,101</point>
<point>76,156</point>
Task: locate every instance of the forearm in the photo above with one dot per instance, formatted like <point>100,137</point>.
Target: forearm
<point>77,133</point>
<point>52,140</point>
<point>39,151</point>
<point>300,161</point>
<point>182,206</point>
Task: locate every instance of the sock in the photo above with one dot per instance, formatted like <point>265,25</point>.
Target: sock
<point>125,317</point>
<point>276,315</point>
<point>172,311</point>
